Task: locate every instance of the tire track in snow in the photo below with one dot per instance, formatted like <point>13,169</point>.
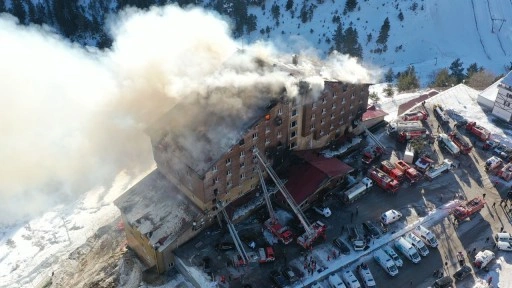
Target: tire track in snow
<point>497,34</point>
<point>478,31</point>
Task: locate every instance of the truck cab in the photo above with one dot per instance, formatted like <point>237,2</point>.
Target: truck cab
<point>407,250</point>
<point>358,242</point>
<point>417,243</point>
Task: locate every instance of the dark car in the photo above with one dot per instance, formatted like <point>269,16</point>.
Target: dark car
<point>371,229</point>
<point>342,246</point>
<point>290,275</point>
<point>207,267</point>
<point>444,282</point>
<point>278,279</point>
<point>224,246</point>
<point>462,272</point>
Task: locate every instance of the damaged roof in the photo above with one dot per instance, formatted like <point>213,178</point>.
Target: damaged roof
<point>157,209</point>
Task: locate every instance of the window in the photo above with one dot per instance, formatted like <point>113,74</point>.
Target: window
<point>323,111</point>
<point>313,116</point>
<point>242,153</point>
<point>332,116</point>
<point>215,180</point>
<point>506,103</point>
<point>321,132</point>
<point>341,121</point>
<point>215,191</point>
<point>333,106</point>
<point>280,111</point>
<point>323,100</point>
<point>228,172</point>
<point>229,183</point>
<point>314,105</point>
<point>312,126</point>
<point>267,130</point>
<point>352,96</point>
<point>267,141</point>
<point>278,134</point>
<point>322,121</point>
<point>294,112</point>
<point>255,135</point>
<point>343,100</point>
<point>351,106</point>
<point>214,168</point>
<point>293,145</point>
<point>294,133</point>
<point>242,176</point>
<point>242,164</point>
<point>334,95</point>
<point>293,124</point>
<point>332,126</point>
<point>228,161</point>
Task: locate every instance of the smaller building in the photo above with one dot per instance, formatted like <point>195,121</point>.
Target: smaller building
<point>498,98</point>
<point>373,116</point>
<point>313,175</point>
<point>157,219</point>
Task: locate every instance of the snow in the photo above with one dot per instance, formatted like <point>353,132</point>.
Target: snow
<point>431,38</point>
<point>490,94</point>
<point>508,79</point>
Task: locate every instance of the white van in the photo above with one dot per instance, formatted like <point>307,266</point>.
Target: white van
<point>390,216</point>
<point>426,235</point>
<point>350,279</point>
<point>503,237</point>
<point>385,262</point>
<point>407,250</point>
<point>391,253</point>
<point>417,243</point>
<point>335,281</point>
<point>366,276</point>
<point>504,246</point>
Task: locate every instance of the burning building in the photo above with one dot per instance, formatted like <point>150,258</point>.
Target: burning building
<point>206,152</point>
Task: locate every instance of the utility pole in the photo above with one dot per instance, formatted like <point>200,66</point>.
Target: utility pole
<point>66,227</point>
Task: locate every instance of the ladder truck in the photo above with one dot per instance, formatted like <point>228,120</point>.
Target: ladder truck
<point>242,258</point>
<point>312,231</point>
<point>283,233</point>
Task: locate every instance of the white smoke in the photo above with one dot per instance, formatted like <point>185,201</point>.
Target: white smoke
<point>73,117</point>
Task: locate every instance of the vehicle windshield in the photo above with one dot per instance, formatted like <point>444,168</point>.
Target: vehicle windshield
<point>392,269</point>
<point>415,255</point>
<point>432,240</point>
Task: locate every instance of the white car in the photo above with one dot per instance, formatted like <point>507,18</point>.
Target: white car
<point>317,285</point>
<point>335,281</point>
<point>504,246</point>
<point>324,211</point>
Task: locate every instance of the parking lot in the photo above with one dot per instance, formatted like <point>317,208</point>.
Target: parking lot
<point>413,201</point>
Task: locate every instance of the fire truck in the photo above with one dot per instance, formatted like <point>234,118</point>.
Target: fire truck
<point>440,114</point>
<point>423,164</point>
<point>283,233</point>
<point>493,164</point>
<point>383,180</point>
<point>469,208</point>
<point>464,146</point>
<point>415,116</point>
<point>312,231</point>
<point>480,132</point>
<point>433,172</point>
<point>407,130</point>
<point>372,153</point>
<point>409,171</point>
<point>506,172</point>
<point>390,169</point>
<point>445,142</point>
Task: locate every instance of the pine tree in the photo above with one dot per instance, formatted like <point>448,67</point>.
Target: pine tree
<point>457,70</point>
<point>2,6</point>
<point>31,12</point>
<point>337,38</point>
<point>289,5</point>
<point>401,16</point>
<point>472,69</point>
<point>276,12</point>
<point>408,80</point>
<point>350,44</point>
<point>443,79</point>
<point>350,5</point>
<point>389,76</point>
<point>384,32</point>
<point>18,10</point>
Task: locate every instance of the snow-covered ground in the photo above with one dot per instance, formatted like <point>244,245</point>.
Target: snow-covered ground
<point>430,37</point>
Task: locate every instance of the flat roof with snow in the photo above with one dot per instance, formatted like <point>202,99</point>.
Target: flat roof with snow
<point>157,209</point>
<point>491,91</point>
<point>507,80</point>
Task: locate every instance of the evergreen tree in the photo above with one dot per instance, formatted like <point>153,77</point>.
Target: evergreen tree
<point>240,16</point>
<point>401,16</point>
<point>276,12</point>
<point>384,32</point>
<point>443,79</point>
<point>350,44</point>
<point>457,70</point>
<point>350,5</point>
<point>252,23</point>
<point>389,76</point>
<point>31,12</point>
<point>289,5</point>
<point>2,6</point>
<point>408,80</point>
<point>472,69</point>
<point>337,38</point>
<point>18,10</point>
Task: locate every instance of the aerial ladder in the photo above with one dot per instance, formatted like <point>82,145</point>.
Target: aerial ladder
<point>370,134</point>
<point>312,232</point>
<point>283,233</point>
<point>242,258</point>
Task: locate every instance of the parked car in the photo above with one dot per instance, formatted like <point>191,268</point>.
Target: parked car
<point>371,229</point>
<point>341,245</point>
<point>504,246</point>
<point>289,274</point>
<point>462,272</point>
<point>278,279</point>
<point>444,282</point>
<point>317,285</point>
<point>224,246</point>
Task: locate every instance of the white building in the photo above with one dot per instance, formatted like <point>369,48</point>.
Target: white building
<point>498,98</point>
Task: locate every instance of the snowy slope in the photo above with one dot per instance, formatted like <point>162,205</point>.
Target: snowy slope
<point>431,37</point>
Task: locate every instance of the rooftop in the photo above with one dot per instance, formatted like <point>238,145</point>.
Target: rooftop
<point>491,92</point>
<point>372,112</point>
<point>157,208</point>
<point>508,79</point>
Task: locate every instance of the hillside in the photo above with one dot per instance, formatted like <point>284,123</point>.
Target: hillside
<point>427,34</point>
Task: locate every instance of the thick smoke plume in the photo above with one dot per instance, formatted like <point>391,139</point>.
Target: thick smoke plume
<point>73,117</point>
